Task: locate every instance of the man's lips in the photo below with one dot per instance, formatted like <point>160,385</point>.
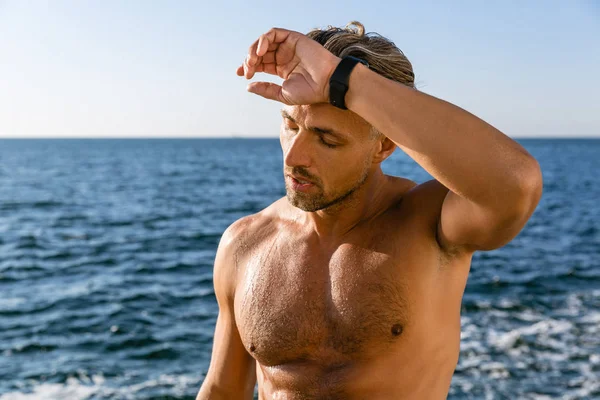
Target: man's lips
<point>301,179</point>
<point>299,184</point>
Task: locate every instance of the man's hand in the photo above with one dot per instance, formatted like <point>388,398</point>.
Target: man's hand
<point>304,64</point>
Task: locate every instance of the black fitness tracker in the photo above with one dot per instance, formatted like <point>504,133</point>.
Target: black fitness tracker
<point>338,83</point>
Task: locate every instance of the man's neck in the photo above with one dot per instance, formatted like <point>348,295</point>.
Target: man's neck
<point>336,221</point>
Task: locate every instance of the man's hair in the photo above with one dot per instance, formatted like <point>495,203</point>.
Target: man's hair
<point>383,56</point>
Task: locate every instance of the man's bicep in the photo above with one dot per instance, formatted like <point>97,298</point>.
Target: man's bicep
<point>232,372</point>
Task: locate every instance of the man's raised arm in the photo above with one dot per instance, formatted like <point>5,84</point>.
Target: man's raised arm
<point>494,183</point>
<point>232,371</point>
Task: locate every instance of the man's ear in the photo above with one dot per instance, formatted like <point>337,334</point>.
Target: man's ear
<point>385,148</point>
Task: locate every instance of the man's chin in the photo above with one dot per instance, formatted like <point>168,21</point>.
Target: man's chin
<point>305,204</point>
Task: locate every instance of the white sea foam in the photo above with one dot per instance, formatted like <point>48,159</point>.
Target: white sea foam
<point>73,389</point>
<point>84,388</point>
<point>591,318</point>
<point>507,340</point>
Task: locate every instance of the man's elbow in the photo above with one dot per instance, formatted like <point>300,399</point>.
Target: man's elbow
<point>532,186</point>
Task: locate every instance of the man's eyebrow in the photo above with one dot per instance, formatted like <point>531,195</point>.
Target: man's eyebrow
<point>325,131</point>
<point>285,114</point>
<point>321,131</point>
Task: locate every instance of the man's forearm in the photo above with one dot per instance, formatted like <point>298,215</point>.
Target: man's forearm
<point>463,152</point>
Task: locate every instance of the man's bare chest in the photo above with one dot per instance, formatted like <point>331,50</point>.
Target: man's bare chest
<point>295,303</point>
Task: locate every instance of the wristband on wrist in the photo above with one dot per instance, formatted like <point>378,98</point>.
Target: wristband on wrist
<point>338,83</point>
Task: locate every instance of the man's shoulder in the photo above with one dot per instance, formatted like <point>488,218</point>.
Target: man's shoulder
<point>428,191</point>
<point>420,203</point>
<point>420,198</point>
<point>250,230</point>
<point>424,201</point>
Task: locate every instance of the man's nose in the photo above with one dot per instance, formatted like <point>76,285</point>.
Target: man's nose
<point>298,152</point>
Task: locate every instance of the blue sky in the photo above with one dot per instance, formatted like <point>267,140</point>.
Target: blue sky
<point>165,68</point>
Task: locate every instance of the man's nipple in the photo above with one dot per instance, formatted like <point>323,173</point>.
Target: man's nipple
<point>397,329</point>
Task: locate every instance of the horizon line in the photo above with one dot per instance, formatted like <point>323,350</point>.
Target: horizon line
<point>225,137</point>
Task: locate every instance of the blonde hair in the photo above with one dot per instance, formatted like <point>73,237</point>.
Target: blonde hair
<point>383,56</point>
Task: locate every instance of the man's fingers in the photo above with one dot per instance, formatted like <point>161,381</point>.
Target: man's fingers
<point>265,63</point>
<point>262,53</point>
<point>263,45</point>
<point>273,36</point>
<point>269,57</point>
<point>255,51</point>
<point>250,69</point>
<point>267,90</point>
<point>252,57</point>
<point>270,68</point>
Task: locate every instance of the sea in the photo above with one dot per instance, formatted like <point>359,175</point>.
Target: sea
<point>107,249</point>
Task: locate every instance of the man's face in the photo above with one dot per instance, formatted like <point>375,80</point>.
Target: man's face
<point>327,147</point>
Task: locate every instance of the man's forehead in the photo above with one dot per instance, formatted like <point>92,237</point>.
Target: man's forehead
<point>316,111</point>
<point>323,114</point>
<point>326,118</point>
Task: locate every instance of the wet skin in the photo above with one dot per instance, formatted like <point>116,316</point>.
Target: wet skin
<point>339,290</point>
<point>372,315</point>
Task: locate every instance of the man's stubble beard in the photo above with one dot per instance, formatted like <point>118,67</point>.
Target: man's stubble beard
<point>318,201</point>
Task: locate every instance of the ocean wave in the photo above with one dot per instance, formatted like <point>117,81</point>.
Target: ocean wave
<point>85,387</point>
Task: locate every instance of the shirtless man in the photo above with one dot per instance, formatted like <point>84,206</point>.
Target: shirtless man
<point>350,287</point>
